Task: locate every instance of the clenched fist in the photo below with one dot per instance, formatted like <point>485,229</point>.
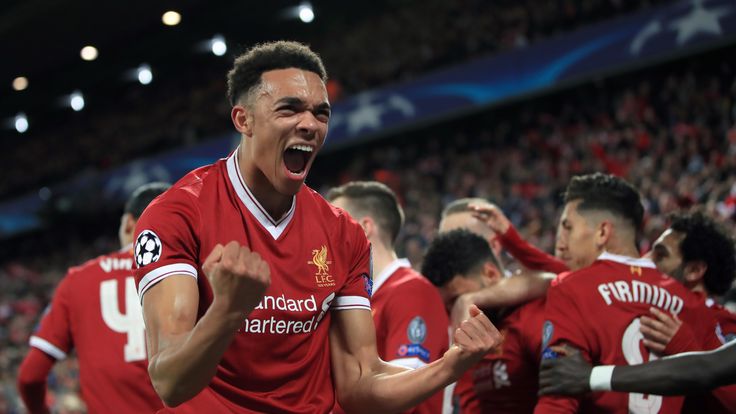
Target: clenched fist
<point>238,277</point>
<point>472,340</point>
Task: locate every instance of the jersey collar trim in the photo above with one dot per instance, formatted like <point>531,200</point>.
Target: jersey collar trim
<point>629,261</point>
<point>388,271</point>
<point>274,227</point>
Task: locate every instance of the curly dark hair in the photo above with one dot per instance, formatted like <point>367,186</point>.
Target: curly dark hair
<point>248,67</point>
<point>707,241</point>
<point>455,253</point>
<point>606,192</point>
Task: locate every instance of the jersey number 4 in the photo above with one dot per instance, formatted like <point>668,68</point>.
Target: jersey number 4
<point>130,322</point>
<point>630,345</point>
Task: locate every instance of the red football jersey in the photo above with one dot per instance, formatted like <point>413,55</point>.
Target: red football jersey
<point>95,309</point>
<point>319,260</point>
<point>411,322</point>
<point>597,310</point>
<point>507,379</point>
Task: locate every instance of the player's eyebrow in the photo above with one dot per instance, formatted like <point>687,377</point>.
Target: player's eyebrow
<point>299,103</point>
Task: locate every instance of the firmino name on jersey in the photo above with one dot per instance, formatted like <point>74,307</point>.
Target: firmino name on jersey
<point>637,291</point>
<point>278,326</point>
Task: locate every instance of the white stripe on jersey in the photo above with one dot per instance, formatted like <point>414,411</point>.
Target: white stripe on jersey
<point>47,347</point>
<point>161,273</point>
<point>351,302</point>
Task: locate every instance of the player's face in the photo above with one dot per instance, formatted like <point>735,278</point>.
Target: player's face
<point>666,253</point>
<point>575,238</point>
<point>290,116</point>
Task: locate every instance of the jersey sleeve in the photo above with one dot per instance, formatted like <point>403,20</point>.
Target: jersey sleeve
<point>165,240</point>
<point>562,326</point>
<point>356,292</point>
<point>54,336</point>
<point>416,327</point>
<point>529,255</point>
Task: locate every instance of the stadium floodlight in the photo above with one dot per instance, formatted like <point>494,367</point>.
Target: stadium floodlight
<point>145,76</point>
<point>20,83</point>
<point>218,45</point>
<point>76,101</point>
<point>171,18</point>
<point>306,13</point>
<point>21,123</point>
<point>89,53</point>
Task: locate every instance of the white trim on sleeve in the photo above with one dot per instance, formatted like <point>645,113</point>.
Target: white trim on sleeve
<point>47,347</point>
<point>411,363</point>
<point>351,302</point>
<point>161,273</point>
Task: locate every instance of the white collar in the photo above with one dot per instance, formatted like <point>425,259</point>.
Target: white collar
<point>388,271</point>
<point>630,261</point>
<point>274,227</point>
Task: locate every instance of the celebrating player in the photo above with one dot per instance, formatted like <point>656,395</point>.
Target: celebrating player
<point>96,311</point>
<point>505,381</point>
<point>597,307</point>
<point>251,275</point>
<point>411,324</point>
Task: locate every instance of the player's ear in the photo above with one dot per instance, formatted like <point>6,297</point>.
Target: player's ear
<point>242,118</point>
<point>491,272</point>
<point>603,233</point>
<point>695,270</point>
<point>368,225</point>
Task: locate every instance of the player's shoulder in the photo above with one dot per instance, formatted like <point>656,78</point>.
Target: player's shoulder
<point>566,279</point>
<point>331,214</point>
<point>406,278</point>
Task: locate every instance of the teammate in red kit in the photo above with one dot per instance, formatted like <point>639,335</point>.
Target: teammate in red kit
<point>247,276</point>
<point>95,310</point>
<point>597,307</point>
<point>411,323</point>
<point>486,220</point>
<point>505,381</point>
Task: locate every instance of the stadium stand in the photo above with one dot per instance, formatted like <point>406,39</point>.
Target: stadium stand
<point>669,129</point>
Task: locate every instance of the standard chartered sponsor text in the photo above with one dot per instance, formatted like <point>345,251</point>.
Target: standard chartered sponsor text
<point>279,326</point>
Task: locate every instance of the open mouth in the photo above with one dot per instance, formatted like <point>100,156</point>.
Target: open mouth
<point>296,158</point>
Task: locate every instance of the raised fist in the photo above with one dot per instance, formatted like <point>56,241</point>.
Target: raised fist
<point>238,277</point>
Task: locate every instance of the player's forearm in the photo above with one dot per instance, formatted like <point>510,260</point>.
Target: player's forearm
<point>674,376</point>
<point>529,255</point>
<point>32,375</point>
<point>186,364</point>
<point>393,389</point>
<point>509,291</point>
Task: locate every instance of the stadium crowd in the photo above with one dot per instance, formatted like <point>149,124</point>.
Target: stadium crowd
<point>477,28</point>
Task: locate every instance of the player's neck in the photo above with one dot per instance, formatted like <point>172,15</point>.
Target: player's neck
<point>627,249</point>
<point>382,257</point>
<point>275,203</point>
